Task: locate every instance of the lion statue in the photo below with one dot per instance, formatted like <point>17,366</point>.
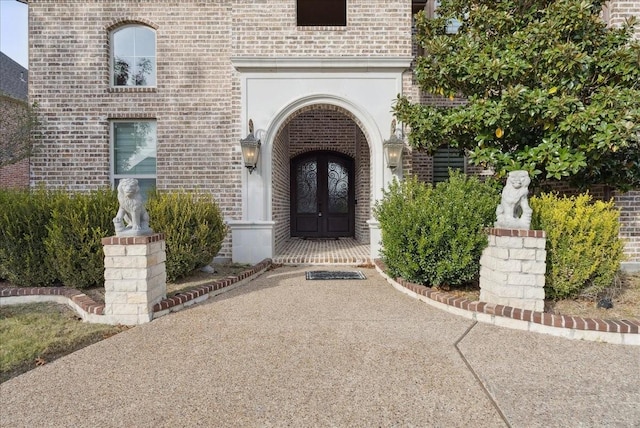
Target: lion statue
<point>131,210</point>
<point>514,211</point>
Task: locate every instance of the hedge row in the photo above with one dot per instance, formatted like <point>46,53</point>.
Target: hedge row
<point>54,237</point>
<point>435,235</point>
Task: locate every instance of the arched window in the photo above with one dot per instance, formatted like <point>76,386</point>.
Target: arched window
<point>133,56</point>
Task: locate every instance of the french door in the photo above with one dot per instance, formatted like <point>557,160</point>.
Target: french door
<point>322,195</point>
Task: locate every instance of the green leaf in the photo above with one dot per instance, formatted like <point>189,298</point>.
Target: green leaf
<point>544,71</point>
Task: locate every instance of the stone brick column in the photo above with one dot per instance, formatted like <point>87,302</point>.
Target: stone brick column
<point>135,277</point>
<point>512,268</point>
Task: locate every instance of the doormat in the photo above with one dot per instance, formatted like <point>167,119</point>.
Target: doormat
<point>332,274</point>
<point>320,239</point>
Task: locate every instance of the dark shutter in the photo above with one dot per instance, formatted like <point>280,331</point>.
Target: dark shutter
<point>443,159</point>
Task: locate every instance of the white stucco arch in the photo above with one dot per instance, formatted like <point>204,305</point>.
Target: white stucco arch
<point>272,91</point>
<point>369,127</point>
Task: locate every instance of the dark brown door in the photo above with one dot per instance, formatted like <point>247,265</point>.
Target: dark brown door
<point>322,195</point>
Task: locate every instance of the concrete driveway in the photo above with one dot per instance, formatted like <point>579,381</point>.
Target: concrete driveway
<point>284,351</point>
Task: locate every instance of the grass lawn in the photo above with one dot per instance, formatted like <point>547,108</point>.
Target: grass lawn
<point>34,334</point>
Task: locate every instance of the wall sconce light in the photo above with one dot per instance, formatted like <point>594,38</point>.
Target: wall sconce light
<point>250,149</point>
<point>393,148</point>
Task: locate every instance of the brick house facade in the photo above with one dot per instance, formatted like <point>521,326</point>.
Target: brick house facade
<point>310,87</point>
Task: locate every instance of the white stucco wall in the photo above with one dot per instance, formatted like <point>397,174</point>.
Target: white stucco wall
<point>272,89</point>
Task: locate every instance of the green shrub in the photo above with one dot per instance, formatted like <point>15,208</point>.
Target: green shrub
<point>23,229</point>
<point>583,248</point>
<point>193,229</point>
<point>436,235</point>
<point>5,195</point>
<point>79,221</point>
<point>49,236</point>
<point>403,216</point>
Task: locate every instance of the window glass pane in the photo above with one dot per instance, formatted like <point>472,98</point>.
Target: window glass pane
<point>123,42</point>
<point>145,43</point>
<point>134,147</point>
<point>307,183</point>
<point>322,13</point>
<point>445,158</point>
<point>144,72</point>
<point>123,71</point>
<point>338,188</point>
<point>453,25</point>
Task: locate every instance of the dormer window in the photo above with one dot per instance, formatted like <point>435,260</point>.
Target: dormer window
<point>325,13</point>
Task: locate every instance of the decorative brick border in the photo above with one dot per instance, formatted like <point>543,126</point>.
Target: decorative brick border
<point>86,303</point>
<point>202,290</point>
<point>625,331</point>
<point>616,327</point>
<point>83,303</point>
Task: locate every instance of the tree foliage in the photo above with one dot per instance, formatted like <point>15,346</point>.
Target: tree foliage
<point>549,89</point>
<point>18,123</point>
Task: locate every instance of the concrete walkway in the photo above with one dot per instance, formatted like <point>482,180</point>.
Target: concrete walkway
<point>284,351</point>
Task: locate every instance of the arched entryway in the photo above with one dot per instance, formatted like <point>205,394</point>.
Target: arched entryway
<point>275,94</point>
<point>321,176</point>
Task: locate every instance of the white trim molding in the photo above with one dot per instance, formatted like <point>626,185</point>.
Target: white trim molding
<point>327,64</point>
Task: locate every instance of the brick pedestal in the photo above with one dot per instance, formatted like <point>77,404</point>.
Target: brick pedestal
<point>135,277</point>
<point>512,269</point>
